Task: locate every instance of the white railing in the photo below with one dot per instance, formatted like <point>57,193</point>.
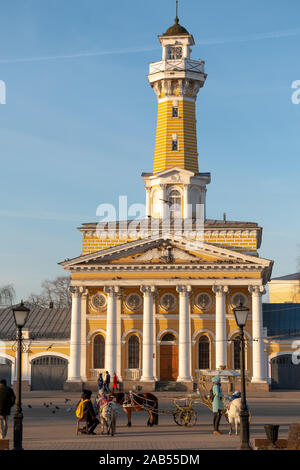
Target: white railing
<point>94,373</point>
<point>177,65</point>
<point>133,374</point>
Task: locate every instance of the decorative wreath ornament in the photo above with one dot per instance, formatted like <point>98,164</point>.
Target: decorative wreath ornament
<point>134,302</point>
<point>203,301</point>
<point>168,301</point>
<point>99,302</point>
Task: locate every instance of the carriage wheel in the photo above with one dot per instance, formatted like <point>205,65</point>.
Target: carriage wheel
<point>176,418</point>
<point>188,418</point>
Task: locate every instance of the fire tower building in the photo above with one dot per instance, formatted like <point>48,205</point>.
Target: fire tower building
<point>155,305</point>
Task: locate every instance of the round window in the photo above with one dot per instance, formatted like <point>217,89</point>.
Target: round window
<point>134,301</point>
<point>98,302</point>
<point>168,301</point>
<point>239,299</point>
<point>203,301</point>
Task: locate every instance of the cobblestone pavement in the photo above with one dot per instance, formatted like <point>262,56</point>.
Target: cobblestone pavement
<point>52,427</point>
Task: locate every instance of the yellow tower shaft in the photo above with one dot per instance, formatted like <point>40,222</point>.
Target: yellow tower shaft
<point>182,129</point>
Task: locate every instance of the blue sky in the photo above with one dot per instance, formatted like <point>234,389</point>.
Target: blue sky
<point>78,126</point>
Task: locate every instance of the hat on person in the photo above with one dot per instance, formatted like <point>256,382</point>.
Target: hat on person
<point>216,379</point>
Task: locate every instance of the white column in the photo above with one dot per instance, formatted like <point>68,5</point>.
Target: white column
<point>148,201</point>
<point>75,340</point>
<point>119,339</point>
<point>221,343</point>
<point>184,348</point>
<point>25,355</point>
<point>164,204</point>
<point>83,335</point>
<point>258,353</point>
<point>147,374</point>
<point>187,213</point>
<point>111,329</point>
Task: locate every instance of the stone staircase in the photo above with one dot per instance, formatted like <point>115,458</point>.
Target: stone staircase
<point>166,386</point>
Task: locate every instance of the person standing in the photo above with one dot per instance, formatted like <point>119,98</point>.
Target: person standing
<point>115,382</point>
<point>100,381</point>
<point>7,401</point>
<point>107,382</point>
<point>217,403</point>
<point>88,411</point>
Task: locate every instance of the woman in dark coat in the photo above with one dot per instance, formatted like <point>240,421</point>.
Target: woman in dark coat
<point>7,401</point>
<point>100,381</point>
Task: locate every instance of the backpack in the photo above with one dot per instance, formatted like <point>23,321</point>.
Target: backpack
<point>211,394</point>
<point>79,409</point>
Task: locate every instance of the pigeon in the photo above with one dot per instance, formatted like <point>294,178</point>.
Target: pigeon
<point>29,406</point>
<point>67,399</point>
<point>57,407</point>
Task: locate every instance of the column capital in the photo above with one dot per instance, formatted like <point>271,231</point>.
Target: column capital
<point>75,291</point>
<point>220,290</point>
<point>148,290</point>
<point>257,290</point>
<point>111,290</point>
<point>184,289</point>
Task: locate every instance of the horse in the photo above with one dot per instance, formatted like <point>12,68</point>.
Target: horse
<point>232,412</point>
<point>107,414</point>
<point>138,402</point>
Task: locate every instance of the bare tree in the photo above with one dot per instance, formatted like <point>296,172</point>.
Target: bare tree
<point>54,294</point>
<point>7,295</point>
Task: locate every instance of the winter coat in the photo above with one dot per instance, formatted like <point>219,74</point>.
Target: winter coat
<point>115,381</point>
<point>107,379</point>
<point>217,401</point>
<point>100,382</point>
<point>7,400</point>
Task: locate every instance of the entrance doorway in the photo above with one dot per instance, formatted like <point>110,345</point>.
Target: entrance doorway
<point>168,362</point>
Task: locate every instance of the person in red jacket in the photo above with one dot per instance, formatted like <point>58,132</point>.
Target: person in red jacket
<point>115,382</point>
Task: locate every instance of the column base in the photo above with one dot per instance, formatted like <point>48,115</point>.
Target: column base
<point>147,379</point>
<point>73,386</point>
<point>184,379</point>
<point>256,380</point>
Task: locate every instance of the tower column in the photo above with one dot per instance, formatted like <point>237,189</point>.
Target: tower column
<point>74,374</point>
<point>221,346</point>
<point>258,354</point>
<point>111,329</point>
<point>184,348</point>
<point>147,373</point>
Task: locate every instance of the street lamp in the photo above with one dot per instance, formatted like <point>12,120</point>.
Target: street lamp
<point>241,314</point>
<point>20,314</point>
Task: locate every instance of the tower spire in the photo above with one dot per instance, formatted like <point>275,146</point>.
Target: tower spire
<point>176,18</point>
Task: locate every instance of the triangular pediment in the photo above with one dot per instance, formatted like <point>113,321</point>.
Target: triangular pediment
<point>168,250</point>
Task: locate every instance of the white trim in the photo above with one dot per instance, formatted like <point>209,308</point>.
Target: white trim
<point>237,331</point>
<point>199,332</point>
<point>49,353</point>
<point>92,346</point>
<point>132,331</point>
<point>140,339</point>
<point>92,332</point>
<point>272,356</point>
<point>163,332</point>
<point>13,361</point>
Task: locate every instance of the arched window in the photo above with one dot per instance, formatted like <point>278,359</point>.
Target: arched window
<point>203,352</point>
<point>236,353</point>
<point>133,352</point>
<point>175,203</point>
<point>99,352</point>
<point>168,337</point>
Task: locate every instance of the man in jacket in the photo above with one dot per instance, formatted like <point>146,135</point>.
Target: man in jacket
<point>107,382</point>
<point>7,401</point>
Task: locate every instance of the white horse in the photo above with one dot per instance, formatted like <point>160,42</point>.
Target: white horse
<point>107,414</point>
<point>233,414</point>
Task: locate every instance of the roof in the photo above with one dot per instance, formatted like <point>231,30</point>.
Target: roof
<point>281,319</point>
<point>288,277</point>
<point>176,29</point>
<point>43,323</point>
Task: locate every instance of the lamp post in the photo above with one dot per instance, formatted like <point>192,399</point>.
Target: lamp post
<point>241,314</point>
<point>20,315</point>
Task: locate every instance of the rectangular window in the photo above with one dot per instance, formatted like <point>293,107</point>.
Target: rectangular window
<point>174,145</point>
<point>175,111</point>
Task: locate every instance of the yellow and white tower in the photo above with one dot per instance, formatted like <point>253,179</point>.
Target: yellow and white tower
<point>176,186</point>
